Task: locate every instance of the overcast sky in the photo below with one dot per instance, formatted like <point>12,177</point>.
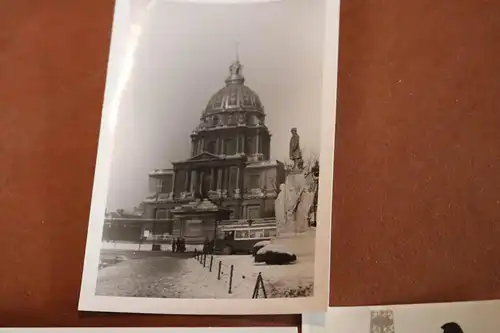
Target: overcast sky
<point>181,60</point>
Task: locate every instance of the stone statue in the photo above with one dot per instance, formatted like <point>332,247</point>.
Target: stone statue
<point>295,153</point>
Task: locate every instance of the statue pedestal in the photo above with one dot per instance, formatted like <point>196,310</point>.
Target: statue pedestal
<point>293,204</point>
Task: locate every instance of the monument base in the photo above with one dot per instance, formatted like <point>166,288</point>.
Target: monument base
<point>293,204</point>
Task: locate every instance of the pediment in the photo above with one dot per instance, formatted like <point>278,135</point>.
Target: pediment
<point>205,156</point>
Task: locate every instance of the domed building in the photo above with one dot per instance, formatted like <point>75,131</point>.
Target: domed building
<point>229,165</point>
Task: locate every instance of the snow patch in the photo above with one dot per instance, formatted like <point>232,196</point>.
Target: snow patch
<point>274,248</point>
<point>262,243</point>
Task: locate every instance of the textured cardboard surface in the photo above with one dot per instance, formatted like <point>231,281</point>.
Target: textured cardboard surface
<point>417,188</point>
<point>53,57</point>
<point>417,181</point>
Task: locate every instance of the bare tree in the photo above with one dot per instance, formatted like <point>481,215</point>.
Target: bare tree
<point>309,162</point>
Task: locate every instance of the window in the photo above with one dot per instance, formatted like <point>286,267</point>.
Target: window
<point>161,213</point>
<point>246,100</point>
<point>233,173</point>
<point>254,181</point>
<point>211,147</point>
<point>229,147</point>
<point>233,99</point>
<point>250,146</point>
<point>217,102</point>
<point>229,235</point>
<point>266,233</point>
<point>241,234</point>
<point>252,234</point>
<point>259,233</point>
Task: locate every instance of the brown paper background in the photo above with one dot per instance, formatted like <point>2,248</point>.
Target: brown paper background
<point>417,187</point>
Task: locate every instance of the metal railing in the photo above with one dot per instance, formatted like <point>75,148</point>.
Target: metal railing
<point>229,275</point>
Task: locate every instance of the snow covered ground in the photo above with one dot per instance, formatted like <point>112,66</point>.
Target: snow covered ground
<point>143,247</point>
<point>279,280</point>
<point>187,278</point>
<point>170,277</point>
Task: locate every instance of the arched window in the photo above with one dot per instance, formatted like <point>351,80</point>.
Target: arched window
<point>233,99</point>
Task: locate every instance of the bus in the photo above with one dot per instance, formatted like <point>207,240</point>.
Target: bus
<point>238,238</point>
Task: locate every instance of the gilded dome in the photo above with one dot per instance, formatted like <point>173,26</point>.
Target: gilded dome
<point>235,96</point>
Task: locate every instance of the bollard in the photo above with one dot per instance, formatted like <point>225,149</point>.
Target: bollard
<point>211,262</point>
<point>231,280</point>
<point>204,259</point>
<point>220,268</point>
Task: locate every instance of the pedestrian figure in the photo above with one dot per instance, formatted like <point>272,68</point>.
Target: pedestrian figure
<point>173,245</point>
<point>206,245</point>
<point>181,245</point>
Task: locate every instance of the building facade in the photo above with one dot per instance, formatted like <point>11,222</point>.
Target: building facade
<point>229,162</point>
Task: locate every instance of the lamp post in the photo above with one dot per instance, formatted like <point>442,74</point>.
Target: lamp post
<point>159,186</point>
<point>220,201</point>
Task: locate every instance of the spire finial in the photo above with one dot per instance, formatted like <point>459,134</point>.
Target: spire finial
<point>235,69</point>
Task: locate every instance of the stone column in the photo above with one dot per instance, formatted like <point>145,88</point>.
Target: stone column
<point>225,185</point>
<point>201,181</point>
<point>257,144</point>
<point>238,180</point>
<point>219,179</point>
<point>194,181</point>
<point>173,183</point>
<point>186,181</point>
<point>222,147</point>
<point>212,179</point>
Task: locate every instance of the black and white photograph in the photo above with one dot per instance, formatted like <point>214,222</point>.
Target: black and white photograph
<point>458,317</point>
<point>214,172</point>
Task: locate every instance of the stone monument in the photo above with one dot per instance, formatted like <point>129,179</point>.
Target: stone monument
<point>295,152</point>
<point>294,202</point>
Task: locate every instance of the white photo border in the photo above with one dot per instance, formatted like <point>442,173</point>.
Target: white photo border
<point>118,65</point>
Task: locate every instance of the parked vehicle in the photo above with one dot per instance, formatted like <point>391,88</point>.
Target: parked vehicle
<point>232,239</point>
